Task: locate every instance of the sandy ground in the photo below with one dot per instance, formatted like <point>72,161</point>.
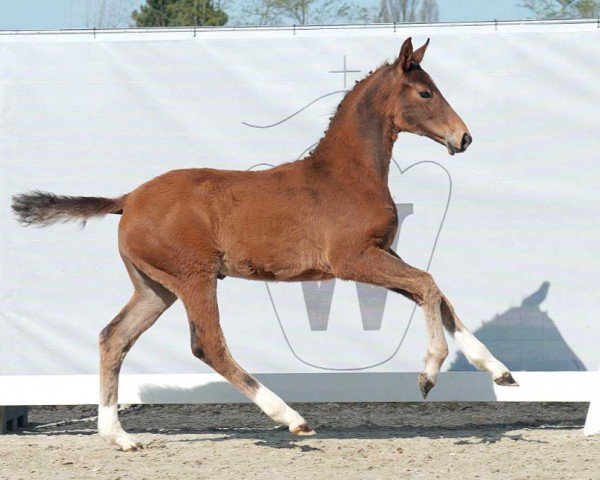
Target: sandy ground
<point>354,441</point>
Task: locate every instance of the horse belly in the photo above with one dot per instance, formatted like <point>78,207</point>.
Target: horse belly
<point>278,267</point>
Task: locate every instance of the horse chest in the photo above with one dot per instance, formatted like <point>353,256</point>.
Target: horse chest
<point>369,217</point>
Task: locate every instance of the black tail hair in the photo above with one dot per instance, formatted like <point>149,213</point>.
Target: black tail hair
<point>44,208</point>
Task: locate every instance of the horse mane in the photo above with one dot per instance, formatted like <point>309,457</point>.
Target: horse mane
<point>349,99</point>
<point>357,89</point>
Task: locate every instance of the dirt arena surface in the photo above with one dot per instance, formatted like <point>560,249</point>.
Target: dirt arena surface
<point>354,441</point>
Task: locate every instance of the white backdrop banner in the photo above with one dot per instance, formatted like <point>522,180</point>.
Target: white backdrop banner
<point>509,229</point>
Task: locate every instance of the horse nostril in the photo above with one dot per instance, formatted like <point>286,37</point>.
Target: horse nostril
<point>466,141</point>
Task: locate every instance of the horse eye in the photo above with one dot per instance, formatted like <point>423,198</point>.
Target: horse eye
<point>425,94</point>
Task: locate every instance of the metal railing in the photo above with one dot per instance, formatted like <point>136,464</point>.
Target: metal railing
<point>299,28</point>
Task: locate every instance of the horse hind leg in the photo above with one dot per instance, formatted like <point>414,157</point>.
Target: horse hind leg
<point>149,301</point>
<point>208,344</point>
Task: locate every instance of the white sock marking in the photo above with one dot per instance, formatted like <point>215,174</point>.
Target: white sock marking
<point>478,354</point>
<point>108,420</point>
<point>276,408</point>
<point>432,370</point>
<point>110,428</point>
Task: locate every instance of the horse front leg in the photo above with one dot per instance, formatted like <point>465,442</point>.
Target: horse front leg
<point>386,269</point>
<point>474,350</point>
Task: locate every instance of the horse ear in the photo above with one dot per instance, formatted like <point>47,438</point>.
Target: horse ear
<point>404,60</point>
<point>420,53</point>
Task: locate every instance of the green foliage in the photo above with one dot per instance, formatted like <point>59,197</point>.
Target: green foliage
<point>179,13</point>
<point>588,8</point>
<point>425,11</point>
<point>563,8</point>
<point>315,12</point>
<point>302,12</point>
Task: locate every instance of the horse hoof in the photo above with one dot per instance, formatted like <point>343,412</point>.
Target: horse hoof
<point>129,445</point>
<point>506,380</point>
<point>303,430</point>
<point>425,385</point>
<point>132,447</point>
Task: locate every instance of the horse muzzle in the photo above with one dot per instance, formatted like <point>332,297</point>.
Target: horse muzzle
<point>465,141</point>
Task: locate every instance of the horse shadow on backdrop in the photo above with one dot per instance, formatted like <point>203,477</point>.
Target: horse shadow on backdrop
<point>525,338</point>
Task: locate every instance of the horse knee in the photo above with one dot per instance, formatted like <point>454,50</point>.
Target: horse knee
<point>210,354</point>
<point>431,294</point>
<point>106,335</point>
<point>198,351</point>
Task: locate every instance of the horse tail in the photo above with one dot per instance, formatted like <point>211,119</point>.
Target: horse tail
<point>44,208</point>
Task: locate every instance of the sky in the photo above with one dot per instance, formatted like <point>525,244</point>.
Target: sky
<point>56,14</point>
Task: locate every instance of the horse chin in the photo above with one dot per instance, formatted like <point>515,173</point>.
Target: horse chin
<point>451,149</point>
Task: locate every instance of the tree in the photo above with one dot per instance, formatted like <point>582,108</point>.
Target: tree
<point>563,8</point>
<point>108,13</point>
<point>179,13</point>
<point>399,11</point>
<point>302,12</point>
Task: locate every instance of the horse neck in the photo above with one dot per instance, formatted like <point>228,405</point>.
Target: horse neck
<point>361,135</point>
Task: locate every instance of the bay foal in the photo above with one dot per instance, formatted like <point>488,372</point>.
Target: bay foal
<point>329,215</point>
